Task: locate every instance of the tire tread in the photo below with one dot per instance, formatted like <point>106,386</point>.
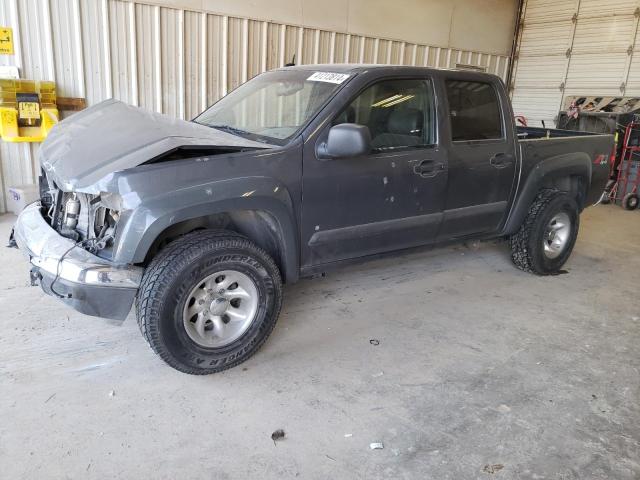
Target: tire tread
<point>519,241</point>
<point>167,262</point>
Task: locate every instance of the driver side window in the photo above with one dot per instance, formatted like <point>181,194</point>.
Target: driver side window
<point>399,113</point>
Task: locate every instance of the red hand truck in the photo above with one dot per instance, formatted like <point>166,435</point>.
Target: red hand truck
<point>625,190</point>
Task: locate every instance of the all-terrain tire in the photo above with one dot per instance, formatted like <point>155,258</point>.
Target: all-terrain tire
<point>527,244</point>
<point>176,271</point>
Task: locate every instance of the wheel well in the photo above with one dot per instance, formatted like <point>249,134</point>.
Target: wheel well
<point>574,185</point>
<point>258,226</point>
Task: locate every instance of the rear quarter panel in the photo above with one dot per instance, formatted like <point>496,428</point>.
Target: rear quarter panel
<point>595,148</point>
<point>552,162</point>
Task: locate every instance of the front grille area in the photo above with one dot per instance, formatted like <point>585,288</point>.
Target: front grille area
<point>78,216</point>
<point>67,212</point>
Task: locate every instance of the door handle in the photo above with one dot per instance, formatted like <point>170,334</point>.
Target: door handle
<point>428,168</point>
<point>501,160</point>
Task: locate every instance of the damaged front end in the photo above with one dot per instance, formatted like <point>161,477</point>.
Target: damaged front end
<point>91,185</point>
<point>68,237</point>
<point>89,220</point>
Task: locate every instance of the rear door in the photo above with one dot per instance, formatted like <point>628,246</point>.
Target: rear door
<point>482,156</point>
<point>391,198</point>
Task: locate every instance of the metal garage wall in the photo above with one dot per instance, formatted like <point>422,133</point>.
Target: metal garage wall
<point>574,47</point>
<point>173,60</point>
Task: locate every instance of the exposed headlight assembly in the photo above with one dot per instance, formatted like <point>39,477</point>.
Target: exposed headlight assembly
<point>106,213</point>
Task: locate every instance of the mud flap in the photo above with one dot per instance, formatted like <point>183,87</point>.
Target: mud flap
<point>12,241</point>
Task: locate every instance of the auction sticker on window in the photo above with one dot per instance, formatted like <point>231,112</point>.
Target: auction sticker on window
<point>329,77</point>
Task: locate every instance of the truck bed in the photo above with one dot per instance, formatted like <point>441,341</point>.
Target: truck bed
<point>549,143</point>
<point>531,133</point>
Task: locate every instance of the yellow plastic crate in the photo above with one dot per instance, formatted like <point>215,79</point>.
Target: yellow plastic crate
<point>27,110</point>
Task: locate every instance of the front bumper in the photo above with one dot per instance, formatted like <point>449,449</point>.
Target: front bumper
<point>86,282</point>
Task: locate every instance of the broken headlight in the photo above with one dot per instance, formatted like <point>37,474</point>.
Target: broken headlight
<point>105,213</point>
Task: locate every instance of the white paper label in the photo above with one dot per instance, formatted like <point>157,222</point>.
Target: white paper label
<point>328,77</point>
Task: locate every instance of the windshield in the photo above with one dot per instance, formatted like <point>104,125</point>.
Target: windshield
<point>273,106</point>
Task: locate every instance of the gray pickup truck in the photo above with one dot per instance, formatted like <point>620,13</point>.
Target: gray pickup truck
<point>297,171</point>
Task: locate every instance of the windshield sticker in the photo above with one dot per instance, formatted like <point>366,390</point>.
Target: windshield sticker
<point>328,77</point>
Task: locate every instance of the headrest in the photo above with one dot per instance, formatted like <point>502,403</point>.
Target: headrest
<point>346,116</point>
<point>405,121</point>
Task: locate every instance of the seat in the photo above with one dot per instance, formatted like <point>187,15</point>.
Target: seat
<point>403,129</point>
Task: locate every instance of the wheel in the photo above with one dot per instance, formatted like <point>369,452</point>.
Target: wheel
<point>605,199</point>
<point>546,238</point>
<point>208,301</point>
<point>630,201</point>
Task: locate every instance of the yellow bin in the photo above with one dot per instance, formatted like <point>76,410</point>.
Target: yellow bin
<point>27,110</point>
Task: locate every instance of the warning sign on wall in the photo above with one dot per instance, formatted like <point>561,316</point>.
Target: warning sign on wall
<point>6,41</point>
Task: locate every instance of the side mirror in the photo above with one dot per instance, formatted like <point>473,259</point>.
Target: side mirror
<point>346,140</point>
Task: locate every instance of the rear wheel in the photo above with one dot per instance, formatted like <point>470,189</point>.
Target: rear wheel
<point>209,301</point>
<point>546,238</point>
<point>630,201</point>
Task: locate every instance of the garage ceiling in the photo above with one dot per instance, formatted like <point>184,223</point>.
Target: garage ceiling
<point>577,47</point>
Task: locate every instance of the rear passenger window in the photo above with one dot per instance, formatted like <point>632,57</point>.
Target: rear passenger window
<point>398,113</point>
<point>474,111</point>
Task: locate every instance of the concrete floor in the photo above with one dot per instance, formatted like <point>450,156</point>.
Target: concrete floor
<point>479,366</point>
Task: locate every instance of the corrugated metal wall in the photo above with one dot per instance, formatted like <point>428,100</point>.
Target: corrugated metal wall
<point>575,48</point>
<point>172,60</point>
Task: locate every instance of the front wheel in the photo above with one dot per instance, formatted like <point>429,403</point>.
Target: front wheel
<point>546,238</point>
<point>630,201</point>
<point>208,301</point>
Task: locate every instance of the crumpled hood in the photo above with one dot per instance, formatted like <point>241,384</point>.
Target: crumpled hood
<point>113,136</point>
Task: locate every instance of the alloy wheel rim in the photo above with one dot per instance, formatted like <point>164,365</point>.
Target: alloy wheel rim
<point>220,309</point>
<point>556,235</point>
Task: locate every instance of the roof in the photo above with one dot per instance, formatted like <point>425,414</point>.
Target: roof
<point>346,67</point>
<point>360,68</point>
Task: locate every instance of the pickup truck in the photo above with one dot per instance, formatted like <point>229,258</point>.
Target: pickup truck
<point>297,171</point>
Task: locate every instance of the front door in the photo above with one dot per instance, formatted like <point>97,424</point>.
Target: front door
<point>389,199</point>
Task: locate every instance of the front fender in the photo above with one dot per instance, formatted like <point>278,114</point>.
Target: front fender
<point>139,228</point>
<point>576,164</point>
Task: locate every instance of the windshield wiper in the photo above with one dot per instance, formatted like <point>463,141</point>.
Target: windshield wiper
<point>230,129</point>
